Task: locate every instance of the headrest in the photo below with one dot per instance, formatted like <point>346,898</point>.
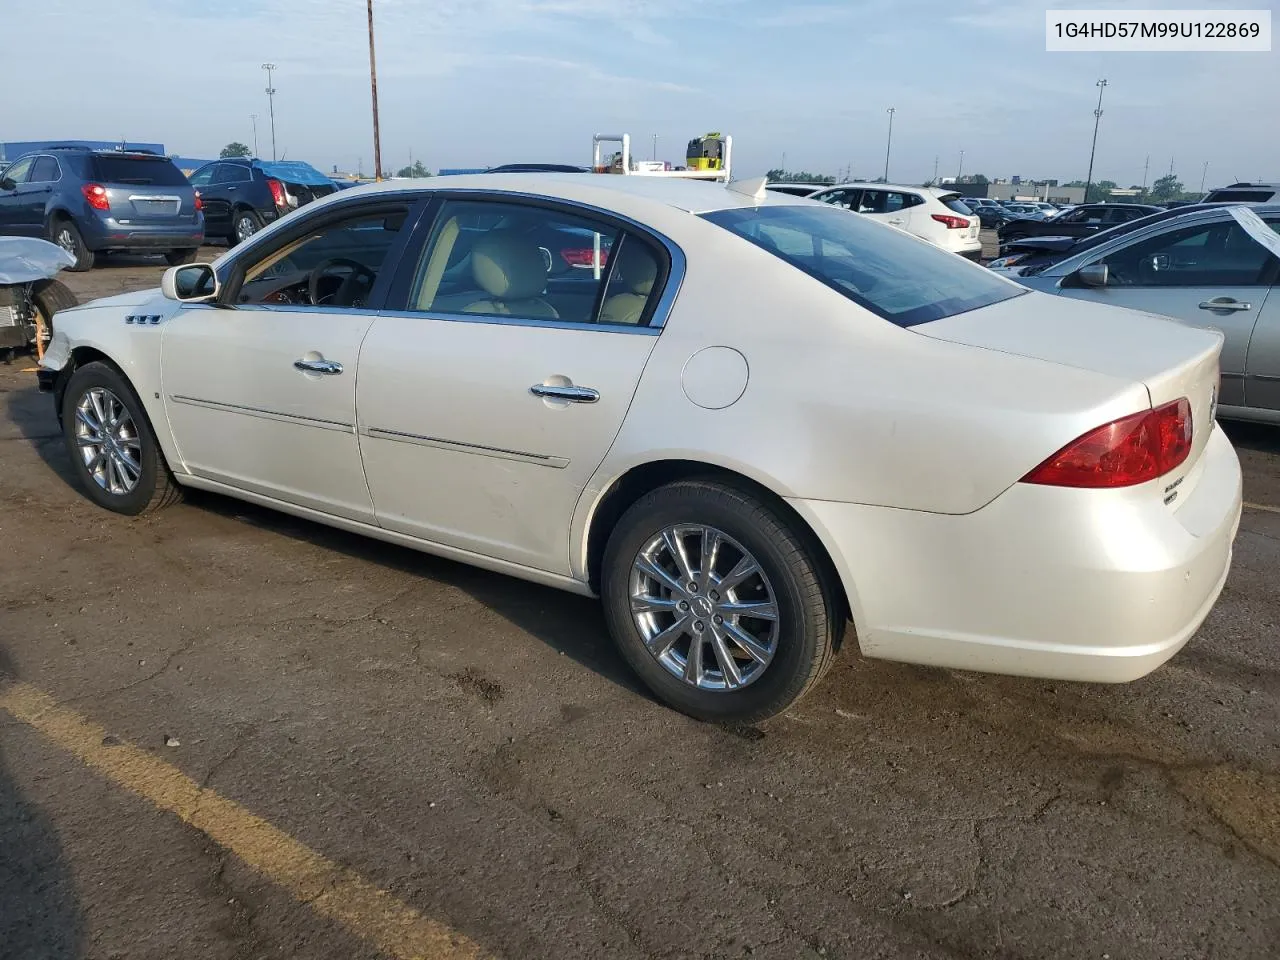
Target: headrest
<point>640,272</point>
<point>508,266</point>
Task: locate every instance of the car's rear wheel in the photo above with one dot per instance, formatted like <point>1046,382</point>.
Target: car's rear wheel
<point>244,224</point>
<point>718,603</point>
<point>111,443</point>
<point>176,257</point>
<point>66,234</point>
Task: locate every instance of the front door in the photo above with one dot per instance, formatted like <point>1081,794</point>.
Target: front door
<point>486,405</point>
<point>11,197</point>
<point>260,391</point>
<point>1210,275</point>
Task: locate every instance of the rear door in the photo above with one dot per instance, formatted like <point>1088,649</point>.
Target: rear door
<point>145,190</point>
<point>486,404</point>
<point>1211,275</point>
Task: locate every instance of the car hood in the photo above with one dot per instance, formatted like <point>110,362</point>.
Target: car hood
<point>135,299</point>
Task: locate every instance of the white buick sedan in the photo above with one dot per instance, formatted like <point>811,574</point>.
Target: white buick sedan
<point>741,419</point>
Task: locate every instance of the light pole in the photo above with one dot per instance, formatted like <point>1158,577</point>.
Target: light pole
<point>888,144</point>
<point>934,181</point>
<point>271,104</point>
<point>373,88</point>
<point>1203,174</point>
<point>655,146</point>
<point>1097,118</point>
<point>961,167</point>
<point>254,118</point>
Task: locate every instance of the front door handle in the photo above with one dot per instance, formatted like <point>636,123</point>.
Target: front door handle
<point>897,221</point>
<point>329,367</point>
<point>1225,303</point>
<point>571,393</point>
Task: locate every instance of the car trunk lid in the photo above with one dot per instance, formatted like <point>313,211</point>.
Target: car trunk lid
<point>142,187</point>
<point>1170,359</point>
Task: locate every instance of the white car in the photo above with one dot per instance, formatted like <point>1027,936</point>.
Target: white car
<point>932,213</point>
<point>753,419</point>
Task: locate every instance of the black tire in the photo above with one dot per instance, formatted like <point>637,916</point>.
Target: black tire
<point>810,616</point>
<point>177,257</point>
<point>250,216</point>
<point>50,296</point>
<point>64,232</point>
<point>155,487</point>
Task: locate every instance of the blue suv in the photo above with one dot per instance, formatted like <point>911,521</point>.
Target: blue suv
<point>99,201</point>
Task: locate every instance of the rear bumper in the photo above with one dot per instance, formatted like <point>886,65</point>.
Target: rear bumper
<point>975,254</point>
<point>1100,586</point>
<point>110,234</point>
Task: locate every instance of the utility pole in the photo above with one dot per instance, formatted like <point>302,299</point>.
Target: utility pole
<point>373,88</point>
<point>254,118</point>
<point>1145,168</point>
<point>888,144</point>
<point>1203,173</point>
<point>655,146</point>
<point>961,167</point>
<point>1171,166</point>
<point>935,170</point>
<point>1097,118</point>
<point>271,103</point>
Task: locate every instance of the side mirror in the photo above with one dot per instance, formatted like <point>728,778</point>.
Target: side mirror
<point>1094,275</point>
<point>190,283</point>
<point>7,184</point>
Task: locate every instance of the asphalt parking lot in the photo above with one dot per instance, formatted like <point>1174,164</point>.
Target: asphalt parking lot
<point>226,733</point>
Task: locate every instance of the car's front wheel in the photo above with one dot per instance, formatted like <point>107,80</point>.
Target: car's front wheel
<point>718,603</point>
<point>112,446</point>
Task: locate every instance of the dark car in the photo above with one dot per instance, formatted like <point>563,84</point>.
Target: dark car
<point>242,195</point>
<point>1031,255</point>
<point>1245,193</point>
<point>537,168</point>
<point>101,201</point>
<point>1080,222</point>
<point>994,215</point>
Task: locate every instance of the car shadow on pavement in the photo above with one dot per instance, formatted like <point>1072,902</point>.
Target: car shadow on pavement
<point>40,914</point>
<point>1262,437</point>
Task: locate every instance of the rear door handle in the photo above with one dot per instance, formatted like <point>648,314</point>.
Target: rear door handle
<point>329,367</point>
<point>1225,303</point>
<point>571,393</point>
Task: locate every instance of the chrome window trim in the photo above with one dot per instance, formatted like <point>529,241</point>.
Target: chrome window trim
<point>57,166</point>
<point>498,320</point>
<point>327,207</point>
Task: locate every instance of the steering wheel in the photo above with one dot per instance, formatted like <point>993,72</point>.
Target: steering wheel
<point>346,294</point>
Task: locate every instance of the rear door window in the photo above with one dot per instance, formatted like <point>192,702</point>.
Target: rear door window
<point>887,272</point>
<point>138,171</point>
<point>230,173</point>
<point>957,205</point>
<point>45,170</point>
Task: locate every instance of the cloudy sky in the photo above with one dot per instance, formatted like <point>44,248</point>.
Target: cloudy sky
<point>480,82</point>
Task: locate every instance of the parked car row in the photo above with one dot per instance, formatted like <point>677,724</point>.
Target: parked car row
<point>95,202</point>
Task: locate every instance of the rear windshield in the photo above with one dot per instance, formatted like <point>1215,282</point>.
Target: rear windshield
<point>892,274</point>
<point>1240,196</point>
<point>138,171</point>
<point>956,204</point>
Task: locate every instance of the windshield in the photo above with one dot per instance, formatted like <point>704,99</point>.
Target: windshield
<point>897,277</point>
<point>138,171</point>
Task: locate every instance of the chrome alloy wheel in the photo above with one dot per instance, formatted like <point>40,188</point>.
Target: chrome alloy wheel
<point>245,228</point>
<point>704,607</point>
<point>66,241</point>
<point>108,441</point>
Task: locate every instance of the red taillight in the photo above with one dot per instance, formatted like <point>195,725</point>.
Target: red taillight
<point>1122,453</point>
<point>96,194</point>
<point>277,193</point>
<point>585,257</point>
<point>952,223</point>
<point>199,201</point>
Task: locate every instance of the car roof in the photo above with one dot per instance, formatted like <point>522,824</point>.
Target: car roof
<point>628,194</point>
<point>872,185</point>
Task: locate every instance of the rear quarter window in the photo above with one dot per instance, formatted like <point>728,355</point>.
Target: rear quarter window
<point>893,275</point>
<point>138,171</point>
<point>957,205</point>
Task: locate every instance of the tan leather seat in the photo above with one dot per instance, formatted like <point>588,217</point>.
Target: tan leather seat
<point>638,270</point>
<point>511,270</point>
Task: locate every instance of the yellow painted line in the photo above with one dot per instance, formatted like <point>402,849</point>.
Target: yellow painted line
<point>328,888</point>
<point>1261,506</point>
